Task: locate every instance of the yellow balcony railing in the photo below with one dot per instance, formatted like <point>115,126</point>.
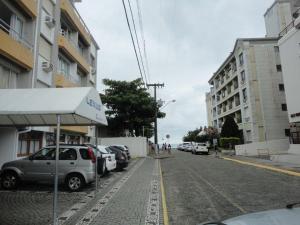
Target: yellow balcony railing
<point>60,80</point>
<point>74,17</point>
<point>29,6</point>
<point>15,51</point>
<point>73,53</point>
<point>76,129</point>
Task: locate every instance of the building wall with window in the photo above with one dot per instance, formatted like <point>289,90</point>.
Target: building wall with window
<point>246,87</point>
<point>289,46</point>
<point>43,44</point>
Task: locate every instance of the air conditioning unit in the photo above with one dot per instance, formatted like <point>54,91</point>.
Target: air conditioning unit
<point>47,66</point>
<point>50,21</point>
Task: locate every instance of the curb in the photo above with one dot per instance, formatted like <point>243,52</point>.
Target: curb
<point>262,166</point>
<point>163,197</point>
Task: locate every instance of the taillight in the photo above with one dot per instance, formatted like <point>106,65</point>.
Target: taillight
<point>92,155</point>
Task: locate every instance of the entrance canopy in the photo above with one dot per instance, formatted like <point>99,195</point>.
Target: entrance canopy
<point>40,106</point>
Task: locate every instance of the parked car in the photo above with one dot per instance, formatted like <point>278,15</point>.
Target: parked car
<point>187,146</point>
<point>180,147</point>
<point>200,148</point>
<point>110,158</point>
<point>101,160</point>
<point>121,157</point>
<point>125,149</point>
<point>76,167</point>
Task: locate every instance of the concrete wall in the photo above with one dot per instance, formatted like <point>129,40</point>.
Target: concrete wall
<point>137,145</point>
<point>277,18</point>
<point>257,148</point>
<point>8,145</point>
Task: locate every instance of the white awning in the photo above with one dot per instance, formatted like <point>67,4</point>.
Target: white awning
<point>39,107</point>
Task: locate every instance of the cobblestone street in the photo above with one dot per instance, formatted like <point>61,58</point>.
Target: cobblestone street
<point>201,188</point>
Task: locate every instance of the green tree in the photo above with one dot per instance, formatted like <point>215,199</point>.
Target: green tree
<point>129,106</point>
<point>230,128</point>
<point>192,135</point>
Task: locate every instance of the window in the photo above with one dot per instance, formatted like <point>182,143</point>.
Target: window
<point>287,132</point>
<point>278,67</point>
<point>8,78</point>
<point>284,107</point>
<point>67,154</point>
<point>243,77</point>
<point>64,66</point>
<point>281,87</point>
<point>276,49</point>
<point>245,95</point>
<point>241,59</point>
<point>45,154</point>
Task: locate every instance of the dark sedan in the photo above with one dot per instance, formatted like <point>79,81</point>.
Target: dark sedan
<point>121,157</point>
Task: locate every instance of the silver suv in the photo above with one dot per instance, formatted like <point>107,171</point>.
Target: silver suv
<point>76,167</point>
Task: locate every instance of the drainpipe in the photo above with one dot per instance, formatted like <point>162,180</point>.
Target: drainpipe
<point>36,43</point>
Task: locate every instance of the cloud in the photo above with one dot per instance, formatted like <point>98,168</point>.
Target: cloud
<point>186,43</point>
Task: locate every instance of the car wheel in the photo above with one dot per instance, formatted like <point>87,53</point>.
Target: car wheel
<point>9,180</point>
<point>74,182</point>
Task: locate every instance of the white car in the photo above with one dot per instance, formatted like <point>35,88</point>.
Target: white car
<point>110,158</point>
<point>200,148</point>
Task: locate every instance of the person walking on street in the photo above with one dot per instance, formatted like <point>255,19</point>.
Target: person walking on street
<point>169,149</point>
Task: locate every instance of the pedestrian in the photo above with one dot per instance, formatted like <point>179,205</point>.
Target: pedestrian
<point>216,150</point>
<point>169,149</point>
<point>157,146</point>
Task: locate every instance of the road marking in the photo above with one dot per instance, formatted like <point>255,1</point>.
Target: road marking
<point>95,211</point>
<point>163,198</point>
<point>289,172</point>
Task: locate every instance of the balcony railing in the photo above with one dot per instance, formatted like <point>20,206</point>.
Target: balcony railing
<point>15,34</point>
<point>287,29</point>
<point>73,42</point>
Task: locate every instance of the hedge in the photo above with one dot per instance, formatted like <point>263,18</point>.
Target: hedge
<point>226,142</point>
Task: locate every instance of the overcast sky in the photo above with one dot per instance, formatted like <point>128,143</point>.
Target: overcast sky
<point>186,42</point>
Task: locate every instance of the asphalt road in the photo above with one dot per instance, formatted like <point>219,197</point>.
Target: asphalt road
<point>202,188</point>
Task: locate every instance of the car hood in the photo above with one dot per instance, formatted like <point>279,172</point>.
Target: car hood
<point>14,162</point>
<point>270,217</point>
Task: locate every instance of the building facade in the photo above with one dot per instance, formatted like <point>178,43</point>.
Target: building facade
<point>209,109</point>
<point>289,45</point>
<point>43,44</point>
<point>249,87</point>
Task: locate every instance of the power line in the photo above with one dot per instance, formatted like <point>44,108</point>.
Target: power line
<point>132,40</point>
<point>143,37</point>
<point>137,41</point>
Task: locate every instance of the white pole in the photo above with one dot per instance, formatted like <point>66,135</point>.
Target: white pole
<point>55,221</point>
<point>96,143</point>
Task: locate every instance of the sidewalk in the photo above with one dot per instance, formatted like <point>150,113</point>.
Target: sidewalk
<point>266,162</point>
<point>132,200</point>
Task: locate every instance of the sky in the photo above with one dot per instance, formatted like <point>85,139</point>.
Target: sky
<point>186,42</point>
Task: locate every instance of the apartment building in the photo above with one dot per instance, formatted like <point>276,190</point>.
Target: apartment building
<point>249,87</point>
<point>209,109</point>
<point>289,45</point>
<point>45,43</point>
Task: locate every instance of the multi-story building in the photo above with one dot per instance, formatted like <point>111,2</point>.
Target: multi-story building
<point>209,110</point>
<point>45,43</point>
<point>289,52</point>
<point>249,87</point>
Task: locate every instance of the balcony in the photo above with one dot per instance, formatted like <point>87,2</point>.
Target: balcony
<point>60,80</point>
<point>14,47</point>
<point>74,17</point>
<point>77,129</point>
<point>29,7</point>
<point>70,50</point>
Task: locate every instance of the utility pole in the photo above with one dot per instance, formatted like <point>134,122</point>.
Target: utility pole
<point>156,108</point>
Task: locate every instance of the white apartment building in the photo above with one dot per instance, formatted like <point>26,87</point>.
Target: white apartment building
<point>249,87</point>
<point>209,109</point>
<point>44,43</point>
<point>289,45</point>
